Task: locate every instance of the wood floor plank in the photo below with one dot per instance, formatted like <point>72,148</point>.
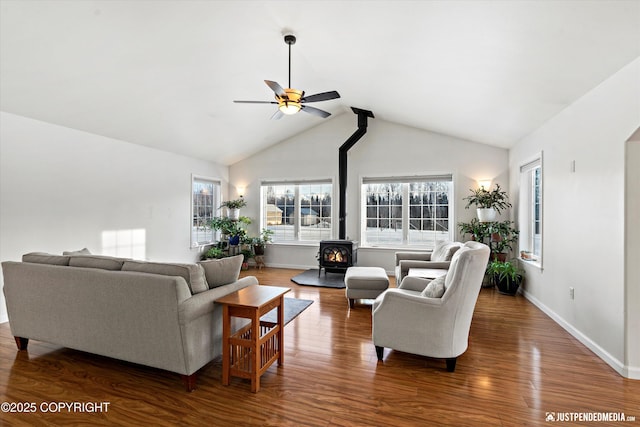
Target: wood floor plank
<point>520,365</point>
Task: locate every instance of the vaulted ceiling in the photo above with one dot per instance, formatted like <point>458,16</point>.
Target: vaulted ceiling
<point>165,73</point>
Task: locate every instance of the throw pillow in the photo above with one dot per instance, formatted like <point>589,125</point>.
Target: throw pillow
<point>193,274</point>
<point>222,271</point>
<point>435,288</point>
<point>83,251</point>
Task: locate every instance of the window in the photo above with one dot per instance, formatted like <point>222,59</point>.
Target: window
<point>297,211</point>
<point>205,199</point>
<point>530,216</point>
<point>406,211</point>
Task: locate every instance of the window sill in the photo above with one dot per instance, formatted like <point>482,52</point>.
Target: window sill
<point>407,248</point>
<point>297,243</point>
<point>532,262</point>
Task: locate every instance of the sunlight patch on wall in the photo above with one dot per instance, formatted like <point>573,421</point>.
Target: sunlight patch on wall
<point>125,243</point>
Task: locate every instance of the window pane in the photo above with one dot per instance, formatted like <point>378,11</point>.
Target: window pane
<point>315,212</point>
<point>429,202</point>
<point>530,217</point>
<point>536,215</point>
<point>310,202</point>
<point>383,213</point>
<point>278,214</point>
<point>204,196</point>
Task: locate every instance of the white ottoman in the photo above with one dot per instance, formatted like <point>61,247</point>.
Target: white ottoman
<point>365,283</point>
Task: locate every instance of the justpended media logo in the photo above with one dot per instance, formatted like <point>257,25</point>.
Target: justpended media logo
<point>587,417</point>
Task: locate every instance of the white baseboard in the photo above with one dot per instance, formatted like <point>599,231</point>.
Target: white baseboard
<point>619,367</point>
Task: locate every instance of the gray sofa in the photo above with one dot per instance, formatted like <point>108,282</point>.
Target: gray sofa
<point>155,314</point>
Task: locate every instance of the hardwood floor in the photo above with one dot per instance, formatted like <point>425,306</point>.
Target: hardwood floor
<point>520,365</point>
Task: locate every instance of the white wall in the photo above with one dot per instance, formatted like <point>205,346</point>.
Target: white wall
<point>386,149</point>
<point>61,188</point>
<point>632,252</point>
<point>584,215</point>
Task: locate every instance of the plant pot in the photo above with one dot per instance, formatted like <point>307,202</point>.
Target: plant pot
<point>499,256</point>
<point>245,265</point>
<point>486,214</point>
<point>258,249</point>
<point>233,213</point>
<point>512,289</point>
<point>234,240</point>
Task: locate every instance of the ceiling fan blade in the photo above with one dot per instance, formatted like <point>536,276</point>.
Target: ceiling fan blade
<point>255,102</point>
<point>277,115</point>
<point>324,96</point>
<point>315,111</point>
<point>276,88</point>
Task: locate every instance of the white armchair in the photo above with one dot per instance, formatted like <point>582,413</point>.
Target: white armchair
<point>405,319</point>
<point>440,257</point>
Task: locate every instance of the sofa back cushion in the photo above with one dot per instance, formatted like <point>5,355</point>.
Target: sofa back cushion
<point>45,258</point>
<point>222,271</point>
<point>443,250</point>
<point>193,274</point>
<point>96,261</point>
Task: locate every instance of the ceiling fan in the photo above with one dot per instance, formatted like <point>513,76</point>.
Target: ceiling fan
<point>290,100</point>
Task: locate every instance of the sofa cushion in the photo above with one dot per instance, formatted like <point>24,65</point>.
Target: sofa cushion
<point>222,271</point>
<point>45,258</point>
<point>193,274</point>
<point>443,250</point>
<point>96,261</point>
<point>435,288</point>
<point>83,251</point>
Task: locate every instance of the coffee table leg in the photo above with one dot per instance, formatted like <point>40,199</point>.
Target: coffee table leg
<point>226,332</point>
<point>281,331</point>
<point>256,358</point>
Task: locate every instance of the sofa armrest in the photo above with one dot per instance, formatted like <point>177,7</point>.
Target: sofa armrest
<point>202,303</point>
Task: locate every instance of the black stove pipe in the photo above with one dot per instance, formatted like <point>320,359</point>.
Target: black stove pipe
<point>342,168</point>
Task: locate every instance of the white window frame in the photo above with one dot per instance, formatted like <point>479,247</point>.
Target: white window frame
<point>405,181</point>
<point>526,216</point>
<point>215,203</point>
<point>297,226</point>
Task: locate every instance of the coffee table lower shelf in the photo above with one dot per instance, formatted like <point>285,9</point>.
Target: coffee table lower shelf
<point>241,345</point>
<point>252,349</point>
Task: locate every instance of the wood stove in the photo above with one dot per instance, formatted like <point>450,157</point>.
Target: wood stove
<point>335,256</point>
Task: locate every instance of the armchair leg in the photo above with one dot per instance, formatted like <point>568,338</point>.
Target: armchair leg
<point>189,382</point>
<point>22,343</point>
<point>451,364</point>
<point>379,352</point>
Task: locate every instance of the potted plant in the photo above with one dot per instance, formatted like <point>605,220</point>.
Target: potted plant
<point>505,275</point>
<point>488,203</point>
<point>234,229</point>
<point>246,256</point>
<point>503,236</point>
<point>214,253</point>
<point>478,230</point>
<point>233,207</point>
<point>260,242</point>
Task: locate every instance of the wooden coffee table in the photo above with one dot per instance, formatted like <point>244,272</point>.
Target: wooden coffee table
<point>251,350</point>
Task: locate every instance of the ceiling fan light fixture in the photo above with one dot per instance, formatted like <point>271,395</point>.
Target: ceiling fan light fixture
<point>289,107</point>
<point>291,103</point>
